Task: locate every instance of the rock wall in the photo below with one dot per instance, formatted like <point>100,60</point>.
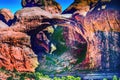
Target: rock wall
<point>15,52</point>
<point>89,39</point>
<point>7,17</point>
<point>15,49</point>
<point>101,27</point>
<point>49,5</point>
<point>101,31</point>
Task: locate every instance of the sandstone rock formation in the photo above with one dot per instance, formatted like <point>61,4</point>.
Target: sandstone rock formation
<point>6,16</point>
<point>100,27</point>
<point>84,6</point>
<point>81,6</point>
<point>49,5</point>
<point>94,35</point>
<point>3,25</point>
<point>16,52</point>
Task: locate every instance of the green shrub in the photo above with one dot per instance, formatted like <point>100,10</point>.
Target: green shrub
<point>56,78</point>
<point>67,78</point>
<point>22,78</point>
<point>38,76</point>
<point>115,77</point>
<point>10,78</point>
<point>105,79</point>
<point>58,39</point>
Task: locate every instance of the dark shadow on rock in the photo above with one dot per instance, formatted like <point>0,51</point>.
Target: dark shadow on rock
<point>9,22</point>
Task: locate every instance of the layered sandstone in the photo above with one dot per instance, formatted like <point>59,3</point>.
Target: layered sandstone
<point>81,6</point>
<point>95,35</point>
<point>16,53</point>
<point>16,50</point>
<point>6,16</point>
<point>101,31</point>
<point>48,5</point>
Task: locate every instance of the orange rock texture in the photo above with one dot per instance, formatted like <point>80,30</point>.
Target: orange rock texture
<point>96,28</point>
<point>49,5</point>
<point>15,52</point>
<point>15,46</point>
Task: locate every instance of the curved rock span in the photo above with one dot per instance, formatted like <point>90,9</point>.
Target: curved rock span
<point>15,50</point>
<point>85,42</point>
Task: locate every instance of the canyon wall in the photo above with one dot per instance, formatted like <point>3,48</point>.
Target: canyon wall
<point>86,40</point>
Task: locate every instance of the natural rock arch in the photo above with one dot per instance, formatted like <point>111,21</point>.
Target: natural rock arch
<point>26,24</point>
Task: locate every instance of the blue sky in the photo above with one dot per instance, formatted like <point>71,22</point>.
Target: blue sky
<point>15,5</point>
<point>64,3</point>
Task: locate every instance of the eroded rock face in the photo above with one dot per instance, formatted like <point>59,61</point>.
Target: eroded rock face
<point>103,29</point>
<point>16,42</point>
<point>6,16</point>
<point>81,6</point>
<point>90,32</point>
<point>37,25</point>
<point>84,6</point>
<point>15,52</point>
<point>48,5</point>
<point>95,35</point>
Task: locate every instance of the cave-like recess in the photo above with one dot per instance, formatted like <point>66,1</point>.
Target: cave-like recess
<point>68,54</point>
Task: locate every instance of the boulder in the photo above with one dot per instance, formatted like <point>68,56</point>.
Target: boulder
<point>49,5</point>
<point>81,6</point>
<point>6,16</point>
<point>92,39</point>
<point>15,52</point>
<point>15,42</point>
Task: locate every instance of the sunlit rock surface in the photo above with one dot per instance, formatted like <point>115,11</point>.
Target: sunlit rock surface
<point>3,25</point>
<point>102,31</point>
<point>81,6</point>
<point>6,16</point>
<point>87,39</point>
<point>16,53</point>
<point>16,39</point>
<point>49,5</point>
<point>99,24</point>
